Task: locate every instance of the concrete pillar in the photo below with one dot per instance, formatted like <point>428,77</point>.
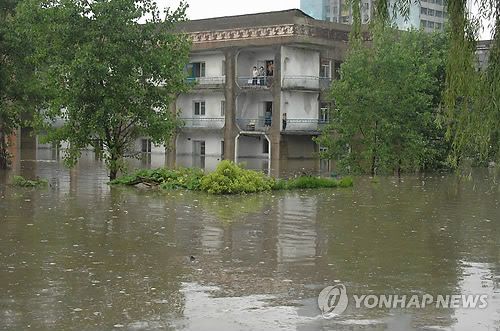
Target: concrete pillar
<point>275,131</point>
<point>230,130</point>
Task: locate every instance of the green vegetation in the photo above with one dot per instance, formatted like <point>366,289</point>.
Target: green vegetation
<point>387,103</point>
<point>23,182</point>
<point>470,98</point>
<point>17,86</point>
<point>164,178</point>
<point>228,178</point>
<point>111,70</point>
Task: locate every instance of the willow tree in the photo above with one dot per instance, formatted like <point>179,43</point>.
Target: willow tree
<point>112,69</point>
<point>471,99</point>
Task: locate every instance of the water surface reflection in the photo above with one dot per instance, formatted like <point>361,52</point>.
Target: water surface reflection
<point>81,255</point>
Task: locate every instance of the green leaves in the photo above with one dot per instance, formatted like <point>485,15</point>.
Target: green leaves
<point>112,78</point>
<point>387,101</point>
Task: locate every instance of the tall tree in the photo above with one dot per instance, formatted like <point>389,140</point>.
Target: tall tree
<point>16,83</point>
<point>386,105</point>
<point>471,100</point>
<point>112,69</point>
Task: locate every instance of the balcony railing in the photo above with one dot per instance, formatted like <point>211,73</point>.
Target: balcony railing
<point>301,82</point>
<point>207,81</point>
<point>204,122</point>
<point>254,124</point>
<point>304,124</point>
<point>261,82</point>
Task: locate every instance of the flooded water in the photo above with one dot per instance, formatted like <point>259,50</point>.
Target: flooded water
<point>80,255</point>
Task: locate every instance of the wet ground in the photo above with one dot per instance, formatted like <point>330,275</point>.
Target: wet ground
<point>80,255</point>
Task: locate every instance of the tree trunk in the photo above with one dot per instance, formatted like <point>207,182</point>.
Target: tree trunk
<point>112,174</point>
<point>4,153</point>
<point>114,164</point>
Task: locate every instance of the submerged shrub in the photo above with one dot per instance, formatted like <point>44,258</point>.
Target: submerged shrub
<point>229,178</point>
<point>23,182</point>
<point>164,178</point>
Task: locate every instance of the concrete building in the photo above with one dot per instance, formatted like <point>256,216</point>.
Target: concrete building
<point>483,53</point>
<point>429,15</point>
<point>269,118</point>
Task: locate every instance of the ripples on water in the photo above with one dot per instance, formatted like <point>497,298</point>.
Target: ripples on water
<point>81,255</point>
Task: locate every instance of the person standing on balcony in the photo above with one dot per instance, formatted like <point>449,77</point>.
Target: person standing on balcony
<point>284,121</point>
<point>255,75</point>
<point>262,75</point>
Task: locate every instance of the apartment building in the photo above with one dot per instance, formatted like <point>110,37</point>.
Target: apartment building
<point>259,93</point>
<point>430,15</point>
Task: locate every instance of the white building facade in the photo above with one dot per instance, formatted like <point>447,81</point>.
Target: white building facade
<point>259,93</point>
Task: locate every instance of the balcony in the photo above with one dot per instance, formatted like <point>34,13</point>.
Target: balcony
<point>304,125</point>
<point>301,82</point>
<point>207,82</point>
<point>262,82</point>
<point>254,124</point>
<point>212,123</point>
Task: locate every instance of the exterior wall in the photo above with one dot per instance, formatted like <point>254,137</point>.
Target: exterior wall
<point>213,63</point>
<point>339,11</point>
<point>300,106</point>
<point>185,145</point>
<point>252,147</point>
<point>299,67</point>
<point>250,57</point>
<point>185,104</point>
<point>251,105</point>
<point>300,147</point>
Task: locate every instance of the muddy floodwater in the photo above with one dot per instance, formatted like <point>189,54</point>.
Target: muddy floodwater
<point>80,255</point>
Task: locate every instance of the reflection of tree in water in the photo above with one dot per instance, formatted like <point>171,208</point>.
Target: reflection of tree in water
<point>233,208</point>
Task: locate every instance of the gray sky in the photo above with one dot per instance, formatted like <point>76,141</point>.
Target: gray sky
<point>216,8</point>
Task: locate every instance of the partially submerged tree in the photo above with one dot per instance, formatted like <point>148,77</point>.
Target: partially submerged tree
<point>386,105</point>
<point>16,84</point>
<point>111,78</point>
<point>471,99</point>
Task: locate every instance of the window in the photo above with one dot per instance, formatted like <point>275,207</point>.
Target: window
<point>423,10</point>
<point>265,146</point>
<point>430,24</point>
<point>196,69</point>
<point>336,70</point>
<point>222,148</point>
<point>223,72</point>
<point>430,12</point>
<point>199,147</point>
<point>325,70</point>
<point>423,23</point>
<point>146,146</point>
<point>438,13</point>
<point>199,108</point>
<point>223,108</point>
<point>324,112</point>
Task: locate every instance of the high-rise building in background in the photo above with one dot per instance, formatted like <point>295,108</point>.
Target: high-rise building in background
<point>429,15</point>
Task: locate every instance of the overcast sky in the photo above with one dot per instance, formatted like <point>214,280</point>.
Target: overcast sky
<point>216,8</point>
